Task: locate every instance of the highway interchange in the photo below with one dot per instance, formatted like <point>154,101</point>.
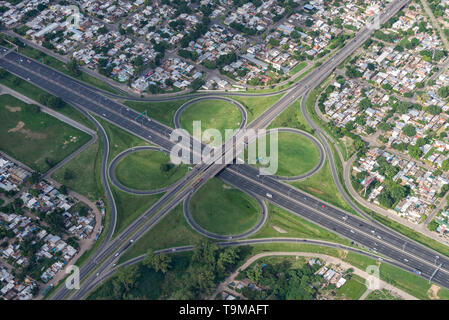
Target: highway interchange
<point>403,252</point>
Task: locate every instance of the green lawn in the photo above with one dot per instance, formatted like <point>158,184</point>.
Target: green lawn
<point>213,114</point>
<point>353,289</point>
<point>160,111</point>
<point>292,118</point>
<point>33,92</point>
<point>298,68</point>
<point>382,294</point>
<point>281,223</point>
<point>36,139</point>
<point>296,154</point>
<point>86,173</point>
<point>322,186</point>
<point>119,139</point>
<point>147,170</point>
<point>222,209</point>
<point>172,231</point>
<point>129,207</point>
<point>255,106</point>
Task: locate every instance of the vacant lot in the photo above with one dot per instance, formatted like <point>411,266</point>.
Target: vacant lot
<point>35,138</point>
<point>82,174</point>
<point>222,209</point>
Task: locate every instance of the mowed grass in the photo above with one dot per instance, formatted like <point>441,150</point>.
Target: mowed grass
<point>281,223</point>
<point>222,209</point>
<point>322,186</point>
<point>296,154</point>
<point>130,206</point>
<point>162,112</point>
<point>119,139</point>
<point>144,170</point>
<point>255,106</point>
<point>31,91</point>
<point>172,231</point>
<point>36,139</point>
<point>292,118</point>
<point>353,289</point>
<point>213,114</point>
<point>86,172</point>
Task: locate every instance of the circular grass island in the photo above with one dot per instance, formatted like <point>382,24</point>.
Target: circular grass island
<point>297,154</point>
<point>148,170</point>
<point>213,113</point>
<point>224,210</point>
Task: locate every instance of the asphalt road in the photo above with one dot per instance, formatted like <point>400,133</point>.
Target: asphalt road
<point>389,244</point>
<point>208,234</point>
<point>318,145</point>
<point>118,158</point>
<point>88,289</point>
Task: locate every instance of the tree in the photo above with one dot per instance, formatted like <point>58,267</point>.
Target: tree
<point>254,273</point>
<point>414,151</point>
<point>443,91</point>
<point>409,130</point>
<point>158,262</point>
<point>63,189</point>
<point>73,68</point>
<point>128,277</point>
<point>433,109</point>
<point>227,258</point>
<point>55,102</point>
<point>365,104</point>
<point>445,165</point>
<point>3,73</point>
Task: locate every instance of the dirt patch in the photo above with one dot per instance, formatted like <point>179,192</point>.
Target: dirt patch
<point>433,292</point>
<point>33,135</point>
<point>14,109</point>
<point>225,186</point>
<point>18,127</point>
<point>315,190</point>
<point>342,254</point>
<point>280,230</point>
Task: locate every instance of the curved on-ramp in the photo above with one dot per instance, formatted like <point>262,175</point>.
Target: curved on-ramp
<point>120,186</point>
<point>204,232</point>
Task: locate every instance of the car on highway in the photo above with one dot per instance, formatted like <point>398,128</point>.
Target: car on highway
<point>323,206</point>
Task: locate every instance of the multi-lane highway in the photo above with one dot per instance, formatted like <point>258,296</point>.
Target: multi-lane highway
<point>405,252</point>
